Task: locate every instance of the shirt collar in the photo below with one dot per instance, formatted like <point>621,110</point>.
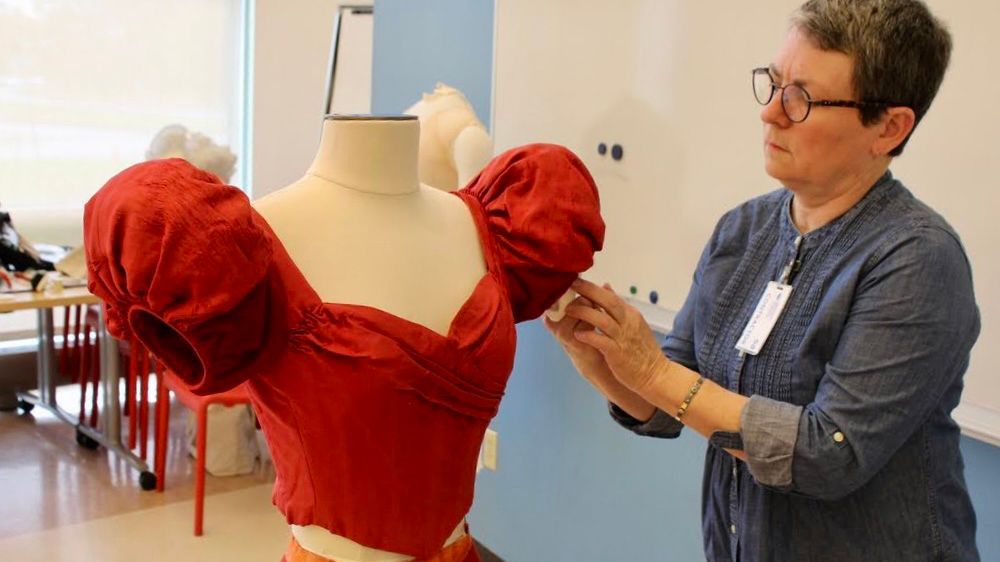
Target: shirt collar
<point>790,232</point>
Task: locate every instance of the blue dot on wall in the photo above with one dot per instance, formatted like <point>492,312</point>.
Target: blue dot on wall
<point>602,149</point>
<point>654,297</point>
<point>617,152</point>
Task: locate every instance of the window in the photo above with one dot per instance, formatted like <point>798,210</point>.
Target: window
<point>86,84</point>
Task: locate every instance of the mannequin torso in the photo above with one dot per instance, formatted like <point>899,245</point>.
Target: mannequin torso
<point>364,231</point>
<point>373,420</point>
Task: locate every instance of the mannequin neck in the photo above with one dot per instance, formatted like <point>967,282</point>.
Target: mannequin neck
<point>376,155</point>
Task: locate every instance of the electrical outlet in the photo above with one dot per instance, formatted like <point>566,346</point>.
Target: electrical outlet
<point>490,446</point>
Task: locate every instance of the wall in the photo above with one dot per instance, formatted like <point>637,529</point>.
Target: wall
<point>291,49</point>
<point>627,76</point>
<point>572,486</point>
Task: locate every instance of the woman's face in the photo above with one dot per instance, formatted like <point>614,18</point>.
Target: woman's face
<point>831,146</point>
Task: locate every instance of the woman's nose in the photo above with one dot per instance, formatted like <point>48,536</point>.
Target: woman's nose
<point>773,114</point>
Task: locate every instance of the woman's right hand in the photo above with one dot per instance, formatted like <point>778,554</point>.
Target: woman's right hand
<point>591,363</point>
<point>565,330</point>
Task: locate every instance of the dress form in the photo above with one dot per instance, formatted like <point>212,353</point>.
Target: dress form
<point>454,144</point>
<point>364,231</point>
<point>373,420</point>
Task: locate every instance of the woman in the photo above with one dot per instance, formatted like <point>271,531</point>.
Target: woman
<point>830,430</point>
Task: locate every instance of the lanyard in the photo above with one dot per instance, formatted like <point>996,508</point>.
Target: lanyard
<point>793,266</point>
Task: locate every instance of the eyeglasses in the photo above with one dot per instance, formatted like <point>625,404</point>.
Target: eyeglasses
<point>795,100</point>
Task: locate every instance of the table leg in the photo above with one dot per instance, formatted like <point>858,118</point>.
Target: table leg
<point>112,434</point>
<point>46,397</point>
<point>110,437</point>
<point>46,356</point>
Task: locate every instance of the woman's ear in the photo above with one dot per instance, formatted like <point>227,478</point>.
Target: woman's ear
<point>896,125</point>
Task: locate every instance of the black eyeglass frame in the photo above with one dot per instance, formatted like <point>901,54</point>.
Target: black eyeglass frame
<point>809,101</point>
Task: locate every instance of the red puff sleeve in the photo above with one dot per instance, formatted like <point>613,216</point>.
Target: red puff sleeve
<point>181,261</point>
<point>543,210</point>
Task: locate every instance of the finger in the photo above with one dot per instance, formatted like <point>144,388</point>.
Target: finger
<point>598,341</point>
<point>596,318</point>
<point>562,328</point>
<point>602,297</point>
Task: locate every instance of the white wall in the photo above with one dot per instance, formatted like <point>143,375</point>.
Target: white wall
<point>291,47</point>
<point>949,164</point>
<point>670,81</point>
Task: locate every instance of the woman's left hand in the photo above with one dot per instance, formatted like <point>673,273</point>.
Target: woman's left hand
<point>622,335</point>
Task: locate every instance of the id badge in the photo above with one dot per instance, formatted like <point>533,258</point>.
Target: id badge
<point>764,317</point>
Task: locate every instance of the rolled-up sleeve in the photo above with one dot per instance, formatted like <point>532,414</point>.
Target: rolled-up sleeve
<point>905,341</point>
<point>770,429</point>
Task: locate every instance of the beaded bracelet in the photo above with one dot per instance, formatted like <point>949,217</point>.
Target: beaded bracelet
<point>690,396</point>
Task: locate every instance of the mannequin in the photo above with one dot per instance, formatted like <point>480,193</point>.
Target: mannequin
<point>176,141</point>
<point>371,318</point>
<point>454,144</point>
<point>357,222</point>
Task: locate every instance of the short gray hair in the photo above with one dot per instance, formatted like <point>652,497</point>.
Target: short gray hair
<point>900,50</point>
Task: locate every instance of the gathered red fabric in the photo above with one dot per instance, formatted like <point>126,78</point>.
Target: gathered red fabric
<point>374,422</point>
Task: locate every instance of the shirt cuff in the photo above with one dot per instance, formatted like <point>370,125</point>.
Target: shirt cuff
<point>660,425</point>
<point>769,430</point>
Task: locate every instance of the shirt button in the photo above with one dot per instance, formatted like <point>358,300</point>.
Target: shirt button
<point>838,437</point>
<point>732,529</point>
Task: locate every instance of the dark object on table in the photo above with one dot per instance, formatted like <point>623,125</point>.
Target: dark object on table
<point>16,254</point>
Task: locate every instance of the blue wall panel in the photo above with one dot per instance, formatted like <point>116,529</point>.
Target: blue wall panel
<point>421,43</point>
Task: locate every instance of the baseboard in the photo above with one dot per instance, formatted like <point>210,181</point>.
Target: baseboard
<point>486,554</point>
<point>979,422</point>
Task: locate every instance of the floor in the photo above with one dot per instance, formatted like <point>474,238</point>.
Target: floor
<point>62,502</point>
<point>240,526</point>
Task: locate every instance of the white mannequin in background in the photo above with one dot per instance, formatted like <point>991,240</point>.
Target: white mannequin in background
<point>454,144</point>
<point>176,141</point>
<point>357,223</point>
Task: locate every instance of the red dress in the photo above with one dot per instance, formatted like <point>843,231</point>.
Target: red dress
<point>374,422</point>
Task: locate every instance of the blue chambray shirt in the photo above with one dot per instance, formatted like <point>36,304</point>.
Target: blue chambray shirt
<point>852,451</point>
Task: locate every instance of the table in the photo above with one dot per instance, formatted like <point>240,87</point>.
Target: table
<point>110,435</point>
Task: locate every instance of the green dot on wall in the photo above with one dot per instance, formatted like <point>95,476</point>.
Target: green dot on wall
<point>633,290</point>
